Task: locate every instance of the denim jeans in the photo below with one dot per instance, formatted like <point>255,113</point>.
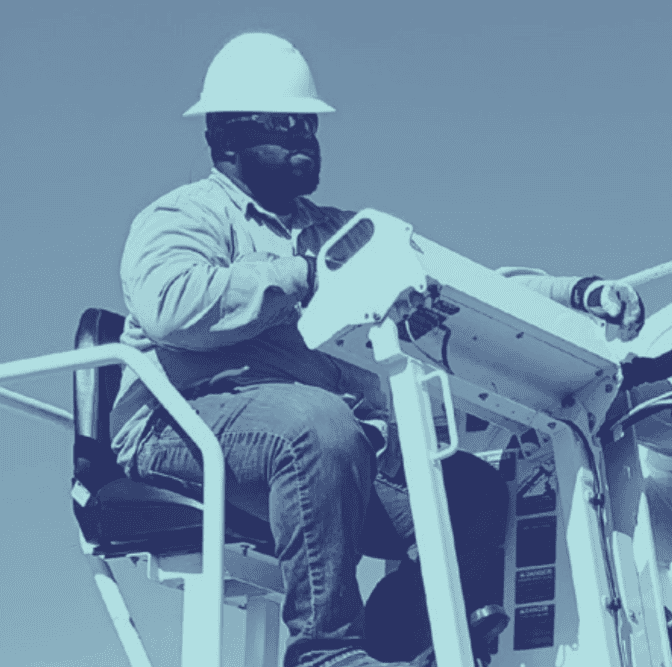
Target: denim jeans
<point>298,458</point>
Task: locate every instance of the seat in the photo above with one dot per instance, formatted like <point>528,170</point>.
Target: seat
<point>123,514</point>
<point>119,517</point>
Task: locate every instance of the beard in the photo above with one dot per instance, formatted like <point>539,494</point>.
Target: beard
<point>281,181</point>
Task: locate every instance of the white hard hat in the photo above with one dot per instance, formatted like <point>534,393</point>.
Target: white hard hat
<point>258,71</point>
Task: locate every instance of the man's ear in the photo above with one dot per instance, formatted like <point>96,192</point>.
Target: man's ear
<point>217,155</point>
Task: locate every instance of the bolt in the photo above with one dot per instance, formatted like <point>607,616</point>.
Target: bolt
<point>366,316</point>
<point>551,425</point>
<point>614,604</point>
<point>608,388</point>
<point>568,401</point>
<point>369,344</point>
<point>591,421</point>
<point>483,396</point>
<point>520,335</point>
<point>599,372</point>
<point>377,317</point>
<point>340,342</point>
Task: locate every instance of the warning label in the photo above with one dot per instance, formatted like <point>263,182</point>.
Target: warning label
<point>535,585</point>
<point>533,627</point>
<point>538,489</point>
<point>535,541</point>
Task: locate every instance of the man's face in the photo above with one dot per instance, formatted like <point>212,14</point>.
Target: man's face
<point>284,160</point>
<point>276,172</point>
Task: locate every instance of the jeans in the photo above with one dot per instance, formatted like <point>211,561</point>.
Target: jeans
<point>297,458</point>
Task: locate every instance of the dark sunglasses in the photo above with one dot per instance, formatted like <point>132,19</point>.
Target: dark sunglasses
<point>296,123</point>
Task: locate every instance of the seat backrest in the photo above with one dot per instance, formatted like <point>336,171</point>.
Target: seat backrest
<point>94,392</point>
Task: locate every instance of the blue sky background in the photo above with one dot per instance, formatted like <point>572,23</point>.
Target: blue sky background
<point>517,133</point>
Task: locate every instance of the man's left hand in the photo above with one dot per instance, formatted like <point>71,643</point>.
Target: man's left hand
<point>617,303</point>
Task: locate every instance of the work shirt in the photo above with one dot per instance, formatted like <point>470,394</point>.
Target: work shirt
<point>213,282</point>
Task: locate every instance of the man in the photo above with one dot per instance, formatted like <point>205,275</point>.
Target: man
<point>215,275</point>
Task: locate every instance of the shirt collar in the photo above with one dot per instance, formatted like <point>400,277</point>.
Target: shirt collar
<point>252,209</point>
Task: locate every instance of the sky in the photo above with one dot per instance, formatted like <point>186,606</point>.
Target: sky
<point>517,134</point>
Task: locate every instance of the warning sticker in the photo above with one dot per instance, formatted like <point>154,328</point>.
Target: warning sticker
<point>533,627</point>
<point>535,541</point>
<point>538,490</point>
<point>535,585</point>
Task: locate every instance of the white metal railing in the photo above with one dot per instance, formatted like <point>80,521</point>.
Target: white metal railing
<point>211,589</point>
<point>36,408</point>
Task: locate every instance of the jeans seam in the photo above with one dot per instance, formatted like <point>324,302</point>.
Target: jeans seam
<point>304,510</point>
<point>305,514</point>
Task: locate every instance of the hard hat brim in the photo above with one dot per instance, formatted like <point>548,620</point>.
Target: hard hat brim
<point>288,105</point>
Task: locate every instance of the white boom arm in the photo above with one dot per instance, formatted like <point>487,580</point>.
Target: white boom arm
<point>516,359</point>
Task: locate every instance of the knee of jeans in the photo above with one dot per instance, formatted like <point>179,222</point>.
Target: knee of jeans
<point>332,428</point>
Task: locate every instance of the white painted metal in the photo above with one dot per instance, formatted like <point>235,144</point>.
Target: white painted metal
<point>433,531</point>
<point>243,564</point>
<point>375,289</point>
<point>119,614</point>
<point>208,608</point>
<point>651,587</point>
<point>647,275</point>
<point>262,632</point>
<point>483,290</point>
<point>36,408</point>
<point>628,584</point>
<point>597,639</point>
<point>446,395</point>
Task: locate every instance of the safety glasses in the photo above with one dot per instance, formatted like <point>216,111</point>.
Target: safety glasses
<point>296,123</point>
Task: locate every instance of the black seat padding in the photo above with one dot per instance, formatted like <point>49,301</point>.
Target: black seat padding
<point>122,515</point>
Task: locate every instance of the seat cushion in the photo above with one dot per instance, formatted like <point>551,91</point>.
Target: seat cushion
<point>127,513</point>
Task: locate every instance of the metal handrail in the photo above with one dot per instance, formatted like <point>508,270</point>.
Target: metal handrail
<point>36,408</point>
<point>194,427</point>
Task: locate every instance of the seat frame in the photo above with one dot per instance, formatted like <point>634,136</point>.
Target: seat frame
<point>204,591</point>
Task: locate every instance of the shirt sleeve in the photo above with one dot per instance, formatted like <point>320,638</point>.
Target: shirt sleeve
<point>182,286</point>
<point>557,289</point>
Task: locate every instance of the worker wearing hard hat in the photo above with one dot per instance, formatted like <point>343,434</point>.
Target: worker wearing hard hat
<point>215,275</point>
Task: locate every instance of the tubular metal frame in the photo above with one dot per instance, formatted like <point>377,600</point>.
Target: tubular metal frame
<point>207,593</point>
